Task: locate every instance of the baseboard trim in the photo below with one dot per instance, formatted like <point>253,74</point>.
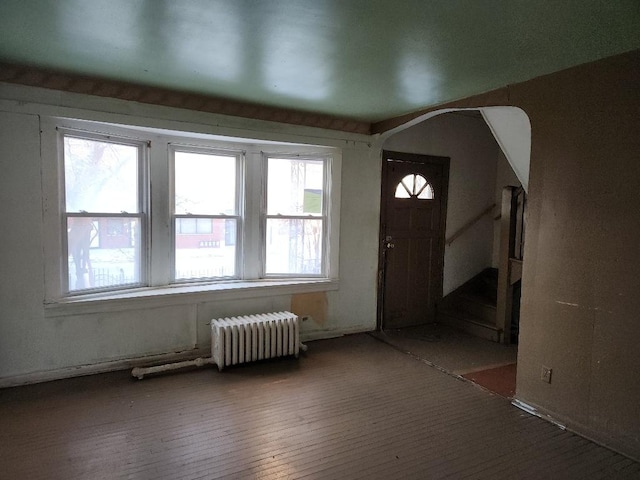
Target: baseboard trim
<point>102,367</point>
<point>578,429</point>
<point>149,360</point>
<point>326,334</point>
<point>534,411</point>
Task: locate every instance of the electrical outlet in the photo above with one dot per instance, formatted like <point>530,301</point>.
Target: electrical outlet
<point>545,375</point>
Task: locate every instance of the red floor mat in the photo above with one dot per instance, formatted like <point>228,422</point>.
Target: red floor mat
<point>500,380</point>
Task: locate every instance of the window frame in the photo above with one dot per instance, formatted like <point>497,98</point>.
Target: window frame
<point>142,200</point>
<point>238,200</point>
<point>326,159</point>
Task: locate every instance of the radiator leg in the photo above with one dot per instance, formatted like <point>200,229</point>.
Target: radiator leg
<point>140,372</point>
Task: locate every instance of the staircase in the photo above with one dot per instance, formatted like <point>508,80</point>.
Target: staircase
<point>488,305</point>
<point>472,306</point>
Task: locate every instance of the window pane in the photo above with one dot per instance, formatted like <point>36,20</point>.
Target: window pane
<point>103,252</point>
<point>412,186</point>
<point>409,183</point>
<point>186,225</point>
<point>100,176</point>
<point>205,184</point>
<point>401,191</point>
<point>206,255</point>
<point>426,193</point>
<point>295,187</point>
<point>294,246</point>
<point>204,225</point>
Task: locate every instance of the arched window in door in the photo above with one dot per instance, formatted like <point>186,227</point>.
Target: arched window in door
<point>415,186</point>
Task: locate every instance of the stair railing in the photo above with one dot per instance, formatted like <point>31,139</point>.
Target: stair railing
<point>469,224</point>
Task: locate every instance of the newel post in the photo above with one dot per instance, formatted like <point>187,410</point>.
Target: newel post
<point>504,305</point>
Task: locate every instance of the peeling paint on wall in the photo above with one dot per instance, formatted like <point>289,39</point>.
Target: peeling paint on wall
<point>567,303</point>
<point>312,305</point>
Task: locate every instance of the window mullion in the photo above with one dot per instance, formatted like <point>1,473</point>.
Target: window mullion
<point>159,213</point>
<point>253,211</point>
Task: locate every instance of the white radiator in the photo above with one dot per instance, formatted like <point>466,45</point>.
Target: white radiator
<point>254,337</point>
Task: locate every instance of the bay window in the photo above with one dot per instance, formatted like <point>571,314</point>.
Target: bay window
<point>144,208</point>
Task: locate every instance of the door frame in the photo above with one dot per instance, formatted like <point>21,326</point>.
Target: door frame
<point>419,159</point>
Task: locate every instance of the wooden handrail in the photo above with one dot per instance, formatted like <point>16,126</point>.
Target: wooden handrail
<point>469,224</point>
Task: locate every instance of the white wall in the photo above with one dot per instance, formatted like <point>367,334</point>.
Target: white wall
<point>22,326</point>
<point>512,130</point>
<point>39,343</point>
<point>472,178</point>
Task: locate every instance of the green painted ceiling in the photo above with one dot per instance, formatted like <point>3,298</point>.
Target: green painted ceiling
<point>364,59</point>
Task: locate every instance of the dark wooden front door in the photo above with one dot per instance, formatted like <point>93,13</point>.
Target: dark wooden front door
<point>413,212</point>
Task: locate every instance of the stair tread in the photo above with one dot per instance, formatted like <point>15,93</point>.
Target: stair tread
<point>473,327</point>
<point>480,299</point>
<point>486,313</point>
<point>468,317</point>
<point>472,306</point>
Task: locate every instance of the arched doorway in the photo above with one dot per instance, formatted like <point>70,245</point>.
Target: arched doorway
<point>473,138</point>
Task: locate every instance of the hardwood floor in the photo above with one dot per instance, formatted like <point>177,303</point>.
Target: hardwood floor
<point>352,407</point>
<point>452,350</point>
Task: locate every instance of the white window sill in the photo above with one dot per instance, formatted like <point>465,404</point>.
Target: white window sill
<point>152,297</point>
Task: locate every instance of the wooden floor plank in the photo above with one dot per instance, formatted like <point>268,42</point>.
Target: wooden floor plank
<point>351,408</point>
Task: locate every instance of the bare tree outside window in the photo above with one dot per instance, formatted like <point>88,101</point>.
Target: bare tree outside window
<point>295,216</point>
<point>102,210</point>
